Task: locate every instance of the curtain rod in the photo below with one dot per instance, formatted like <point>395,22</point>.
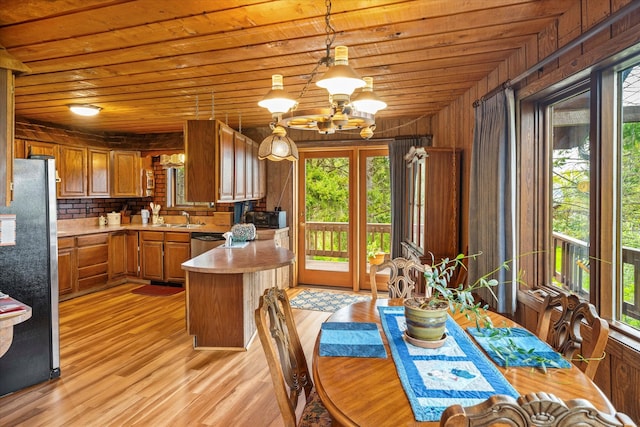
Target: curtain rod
<point>610,20</point>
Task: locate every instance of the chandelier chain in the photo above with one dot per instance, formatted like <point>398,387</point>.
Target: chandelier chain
<point>326,60</point>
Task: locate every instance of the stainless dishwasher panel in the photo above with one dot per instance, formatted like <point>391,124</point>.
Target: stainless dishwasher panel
<point>202,242</point>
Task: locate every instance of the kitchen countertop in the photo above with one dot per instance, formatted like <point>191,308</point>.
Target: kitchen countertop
<point>70,228</point>
<point>256,256</point>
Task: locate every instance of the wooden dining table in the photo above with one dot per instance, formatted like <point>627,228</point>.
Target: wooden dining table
<point>365,392</point>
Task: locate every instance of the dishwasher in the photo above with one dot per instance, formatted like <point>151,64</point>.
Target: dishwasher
<point>202,242</point>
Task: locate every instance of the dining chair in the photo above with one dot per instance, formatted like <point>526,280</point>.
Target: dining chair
<point>287,362</point>
<point>403,275</point>
<point>579,333</point>
<point>534,409</point>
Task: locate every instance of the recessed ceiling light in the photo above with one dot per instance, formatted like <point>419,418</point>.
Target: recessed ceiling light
<point>84,110</point>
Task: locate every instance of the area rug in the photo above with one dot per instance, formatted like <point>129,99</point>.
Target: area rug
<point>156,290</point>
<point>324,301</point>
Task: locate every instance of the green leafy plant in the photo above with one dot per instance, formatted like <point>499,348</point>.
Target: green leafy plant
<point>373,249</point>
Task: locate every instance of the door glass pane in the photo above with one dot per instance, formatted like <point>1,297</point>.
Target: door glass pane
<point>378,204</point>
<point>570,188</point>
<point>327,213</point>
<point>629,292</point>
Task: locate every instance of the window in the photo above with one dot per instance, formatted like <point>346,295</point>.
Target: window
<point>570,168</point>
<point>628,182</point>
<point>175,188</point>
<point>593,191</point>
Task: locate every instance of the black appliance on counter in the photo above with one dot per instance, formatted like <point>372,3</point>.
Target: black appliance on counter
<point>268,219</point>
<point>29,273</point>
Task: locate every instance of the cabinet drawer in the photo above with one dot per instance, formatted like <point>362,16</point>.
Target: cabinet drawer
<point>92,281</point>
<point>152,235</point>
<point>177,236</point>
<point>66,242</point>
<point>92,255</point>
<point>92,239</point>
<point>93,270</point>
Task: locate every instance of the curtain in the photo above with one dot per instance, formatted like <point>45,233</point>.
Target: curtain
<point>397,165</point>
<point>492,199</point>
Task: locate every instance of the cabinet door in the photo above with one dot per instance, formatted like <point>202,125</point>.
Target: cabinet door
<point>98,163</point>
<point>133,263</point>
<point>240,187</point>
<point>262,177</point>
<point>200,157</point>
<point>73,172</point>
<point>126,175</point>
<point>151,255</point>
<point>35,148</point>
<point>175,253</point>
<point>92,252</point>
<point>227,167</point>
<point>117,255</point>
<point>66,265</point>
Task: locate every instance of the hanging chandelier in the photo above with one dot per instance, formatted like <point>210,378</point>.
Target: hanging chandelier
<point>341,113</point>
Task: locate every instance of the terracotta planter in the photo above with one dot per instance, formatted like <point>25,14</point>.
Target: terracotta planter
<point>427,324</point>
<point>377,259</point>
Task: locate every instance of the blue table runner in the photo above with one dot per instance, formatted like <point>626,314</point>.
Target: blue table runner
<point>351,339</point>
<point>519,348</point>
<point>434,379</point>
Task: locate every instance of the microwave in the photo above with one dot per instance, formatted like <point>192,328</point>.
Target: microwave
<point>268,219</point>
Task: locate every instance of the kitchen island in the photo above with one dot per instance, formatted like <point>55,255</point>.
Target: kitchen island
<point>223,288</point>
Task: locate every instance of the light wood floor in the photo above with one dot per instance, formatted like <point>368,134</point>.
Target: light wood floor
<point>127,360</point>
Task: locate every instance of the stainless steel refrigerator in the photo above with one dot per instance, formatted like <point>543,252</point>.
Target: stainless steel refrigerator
<point>29,273</point>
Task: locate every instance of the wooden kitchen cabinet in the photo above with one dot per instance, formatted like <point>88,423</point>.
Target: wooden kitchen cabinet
<point>240,185</point>
<point>36,148</point>
<point>227,168</point>
<point>161,255</point>
<point>66,265</point>
<point>117,255</point>
<point>216,167</point>
<point>151,255</point>
<point>98,176</point>
<point>177,249</point>
<point>133,252</point>
<point>92,253</point>
<point>126,174</point>
<point>73,172</point>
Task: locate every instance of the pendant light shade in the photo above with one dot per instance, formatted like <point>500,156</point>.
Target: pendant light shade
<point>340,80</point>
<point>368,101</point>
<point>278,146</point>
<point>277,100</point>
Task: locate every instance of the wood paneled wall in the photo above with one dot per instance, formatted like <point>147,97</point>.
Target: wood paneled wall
<point>619,373</point>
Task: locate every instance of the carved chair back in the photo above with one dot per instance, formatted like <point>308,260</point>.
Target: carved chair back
<point>403,275</point>
<point>535,409</point>
<point>286,360</point>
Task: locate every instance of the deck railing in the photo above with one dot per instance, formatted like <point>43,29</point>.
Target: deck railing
<point>571,261</point>
<point>330,239</point>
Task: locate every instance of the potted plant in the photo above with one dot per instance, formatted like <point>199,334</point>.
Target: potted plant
<point>375,255</point>
<point>426,316</point>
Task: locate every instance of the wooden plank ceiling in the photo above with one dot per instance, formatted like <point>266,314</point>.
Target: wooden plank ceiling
<point>152,64</point>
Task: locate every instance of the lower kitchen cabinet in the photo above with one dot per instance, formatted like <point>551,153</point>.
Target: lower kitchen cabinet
<point>161,255</point>
<point>132,248</point>
<point>66,265</point>
<point>117,255</point>
<point>92,253</point>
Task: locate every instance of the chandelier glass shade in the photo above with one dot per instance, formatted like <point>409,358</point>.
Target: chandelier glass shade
<point>278,146</point>
<point>368,101</point>
<point>277,101</point>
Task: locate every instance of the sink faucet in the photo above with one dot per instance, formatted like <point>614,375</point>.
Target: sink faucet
<point>186,214</point>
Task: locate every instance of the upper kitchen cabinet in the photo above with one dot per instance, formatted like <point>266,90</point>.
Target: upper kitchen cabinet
<point>126,174</point>
<point>9,67</point>
<point>73,172</point>
<point>93,172</point>
<point>219,164</point>
<point>98,176</point>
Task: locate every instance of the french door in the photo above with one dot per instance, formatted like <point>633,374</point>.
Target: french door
<point>337,188</point>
